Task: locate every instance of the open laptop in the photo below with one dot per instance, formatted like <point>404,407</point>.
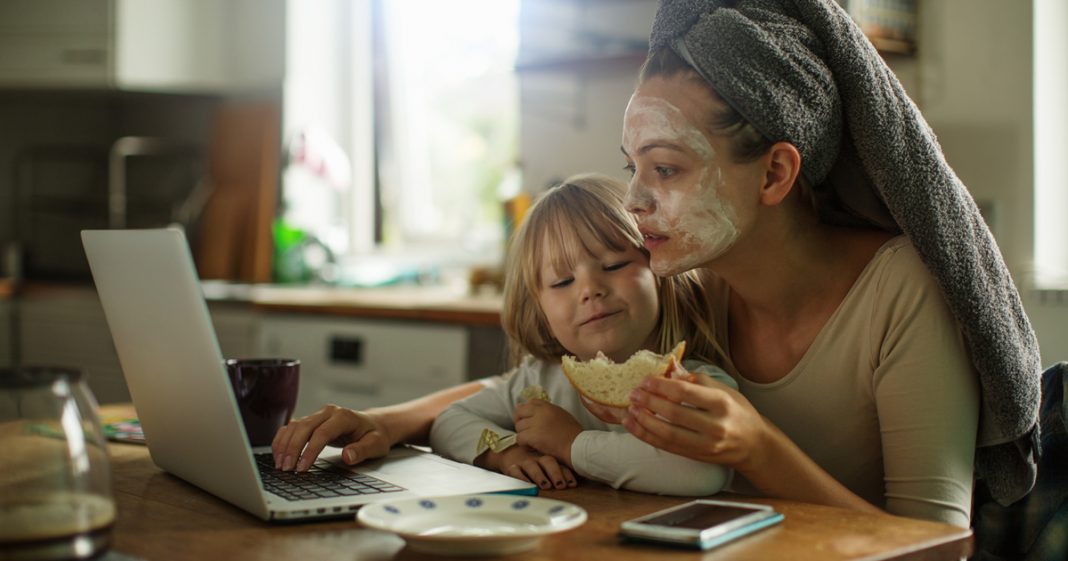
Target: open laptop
<point>170,357</point>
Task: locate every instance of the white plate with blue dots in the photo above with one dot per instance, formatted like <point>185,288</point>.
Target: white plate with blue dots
<point>467,525</point>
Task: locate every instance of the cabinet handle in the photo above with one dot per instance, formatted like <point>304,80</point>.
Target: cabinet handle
<point>346,350</point>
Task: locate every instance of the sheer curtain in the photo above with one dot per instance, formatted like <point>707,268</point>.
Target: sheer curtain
<point>448,128</point>
<point>421,98</point>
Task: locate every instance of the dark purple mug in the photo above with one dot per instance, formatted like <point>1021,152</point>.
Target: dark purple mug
<point>266,393</point>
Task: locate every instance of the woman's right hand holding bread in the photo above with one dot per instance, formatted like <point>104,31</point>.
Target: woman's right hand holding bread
<point>705,420</point>
<point>691,415</point>
<point>699,418</point>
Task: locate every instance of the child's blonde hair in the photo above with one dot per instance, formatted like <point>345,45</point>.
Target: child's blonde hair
<point>590,207</point>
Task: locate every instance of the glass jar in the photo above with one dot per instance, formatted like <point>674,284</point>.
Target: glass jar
<point>55,479</point>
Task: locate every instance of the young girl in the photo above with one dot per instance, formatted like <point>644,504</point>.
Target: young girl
<point>579,282</point>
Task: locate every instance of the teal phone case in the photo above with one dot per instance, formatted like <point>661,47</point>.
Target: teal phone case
<point>717,541</point>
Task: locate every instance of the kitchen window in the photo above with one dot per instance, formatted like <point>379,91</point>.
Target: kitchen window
<point>401,127</point>
<point>1050,138</point>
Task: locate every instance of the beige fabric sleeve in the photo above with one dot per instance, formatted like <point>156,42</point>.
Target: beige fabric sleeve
<point>927,398</point>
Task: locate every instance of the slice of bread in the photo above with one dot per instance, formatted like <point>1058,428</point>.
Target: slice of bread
<point>602,381</point>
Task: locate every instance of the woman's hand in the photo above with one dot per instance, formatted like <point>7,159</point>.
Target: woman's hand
<point>615,415</point>
<point>547,428</point>
<point>699,418</point>
<point>362,435</point>
<point>707,421</point>
<point>527,464</point>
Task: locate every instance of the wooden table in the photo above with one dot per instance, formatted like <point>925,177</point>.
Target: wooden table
<point>160,517</point>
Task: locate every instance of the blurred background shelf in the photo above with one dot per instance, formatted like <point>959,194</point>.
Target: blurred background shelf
<point>631,60</point>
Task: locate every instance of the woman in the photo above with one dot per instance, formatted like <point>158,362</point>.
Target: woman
<point>837,335</point>
<point>762,136</point>
<point>841,337</point>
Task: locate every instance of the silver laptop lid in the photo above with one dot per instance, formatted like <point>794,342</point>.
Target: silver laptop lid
<point>171,360</point>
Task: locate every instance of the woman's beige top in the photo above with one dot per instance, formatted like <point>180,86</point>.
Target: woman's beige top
<point>886,399</point>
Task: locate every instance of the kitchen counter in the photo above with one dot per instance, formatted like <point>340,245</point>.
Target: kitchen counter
<point>340,334</point>
<point>438,304</point>
<point>421,303</point>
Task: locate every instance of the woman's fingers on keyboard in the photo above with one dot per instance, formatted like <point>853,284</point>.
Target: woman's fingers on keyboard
<point>297,434</point>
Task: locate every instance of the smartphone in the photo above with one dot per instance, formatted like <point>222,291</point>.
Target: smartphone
<point>701,524</point>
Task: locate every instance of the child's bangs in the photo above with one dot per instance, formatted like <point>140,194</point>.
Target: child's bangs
<point>581,228</point>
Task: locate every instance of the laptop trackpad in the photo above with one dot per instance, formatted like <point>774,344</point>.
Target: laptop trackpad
<point>412,468</point>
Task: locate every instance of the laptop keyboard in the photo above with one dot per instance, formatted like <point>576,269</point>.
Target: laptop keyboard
<point>322,479</point>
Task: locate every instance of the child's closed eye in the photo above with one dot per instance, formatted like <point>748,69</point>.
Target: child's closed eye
<point>616,266</point>
<point>561,282</point>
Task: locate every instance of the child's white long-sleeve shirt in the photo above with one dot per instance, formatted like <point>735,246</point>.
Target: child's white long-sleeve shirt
<point>602,452</point>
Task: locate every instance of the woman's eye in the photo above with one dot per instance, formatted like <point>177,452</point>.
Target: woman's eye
<point>616,266</point>
<point>664,172</point>
<point>630,169</point>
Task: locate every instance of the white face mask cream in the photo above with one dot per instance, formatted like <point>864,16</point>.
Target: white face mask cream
<point>697,223</point>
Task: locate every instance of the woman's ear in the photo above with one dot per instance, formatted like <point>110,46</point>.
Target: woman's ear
<point>783,165</point>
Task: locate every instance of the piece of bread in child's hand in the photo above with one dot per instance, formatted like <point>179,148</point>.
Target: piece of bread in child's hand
<point>533,392</point>
<point>609,383</point>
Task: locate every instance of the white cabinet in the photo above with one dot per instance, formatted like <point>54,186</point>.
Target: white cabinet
<point>199,45</point>
<point>359,364</point>
<point>237,327</point>
<point>353,362</point>
<point>144,45</point>
<point>55,42</point>
<point>67,327</point>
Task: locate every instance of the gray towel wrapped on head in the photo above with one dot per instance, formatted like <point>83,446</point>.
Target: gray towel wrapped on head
<point>801,71</point>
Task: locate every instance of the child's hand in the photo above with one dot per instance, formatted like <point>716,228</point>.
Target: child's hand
<point>527,464</point>
<point>606,413</point>
<point>546,428</point>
